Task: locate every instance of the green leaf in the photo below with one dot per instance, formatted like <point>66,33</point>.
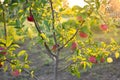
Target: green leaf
<point>84,29</point>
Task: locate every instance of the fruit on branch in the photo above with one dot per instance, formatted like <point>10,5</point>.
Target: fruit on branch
<point>103,27</point>
<point>92,59</point>
<point>79,18</point>
<point>2,51</point>
<point>74,45</point>
<point>102,60</point>
<point>83,34</point>
<point>54,47</point>
<point>15,73</point>
<point>30,18</point>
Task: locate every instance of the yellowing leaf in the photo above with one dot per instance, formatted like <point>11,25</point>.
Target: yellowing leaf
<point>26,66</point>
<point>20,11</point>
<point>30,33</point>
<point>117,55</point>
<point>103,44</point>
<point>5,68</point>
<point>16,37</point>
<point>9,41</point>
<point>21,53</point>
<point>20,70</point>
<point>13,66</point>
<point>44,36</point>
<point>89,65</point>
<point>109,60</point>
<point>32,74</point>
<point>72,31</point>
<point>84,65</point>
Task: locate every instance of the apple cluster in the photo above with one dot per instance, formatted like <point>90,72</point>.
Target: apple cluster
<point>93,60</point>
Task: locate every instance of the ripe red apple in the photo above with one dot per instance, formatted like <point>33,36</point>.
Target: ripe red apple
<point>83,35</point>
<point>2,51</point>
<point>92,59</point>
<point>15,73</point>
<point>79,18</point>
<point>30,18</point>
<point>54,47</point>
<point>102,60</point>
<point>103,27</point>
<point>74,45</point>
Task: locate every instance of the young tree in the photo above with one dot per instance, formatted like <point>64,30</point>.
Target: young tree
<point>60,27</point>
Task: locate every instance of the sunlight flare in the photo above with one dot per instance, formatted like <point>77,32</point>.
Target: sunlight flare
<point>80,3</point>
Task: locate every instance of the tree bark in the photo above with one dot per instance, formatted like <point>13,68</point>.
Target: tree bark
<point>56,64</point>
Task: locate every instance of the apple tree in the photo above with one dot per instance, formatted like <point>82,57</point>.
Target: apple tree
<point>60,30</point>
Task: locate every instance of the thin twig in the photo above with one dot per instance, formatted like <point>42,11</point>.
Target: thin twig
<point>53,21</point>
<point>65,67</point>
<point>74,33</point>
<point>35,77</point>
<point>22,69</point>
<point>71,37</point>
<point>35,22</point>
<point>102,18</point>
<point>10,61</point>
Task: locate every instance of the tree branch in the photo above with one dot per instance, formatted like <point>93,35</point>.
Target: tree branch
<point>22,69</point>
<point>65,67</point>
<point>74,33</point>
<point>53,21</point>
<point>71,37</point>
<point>36,78</point>
<point>40,32</point>
<point>102,18</point>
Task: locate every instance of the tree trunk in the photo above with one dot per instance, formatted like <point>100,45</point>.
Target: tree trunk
<point>56,63</point>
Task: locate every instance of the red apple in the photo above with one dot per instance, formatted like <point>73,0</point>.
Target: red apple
<point>83,35</point>
<point>15,73</point>
<point>2,51</point>
<point>92,59</point>
<point>102,60</point>
<point>103,27</point>
<point>54,47</point>
<point>74,45</point>
<point>30,18</point>
<point>79,18</point>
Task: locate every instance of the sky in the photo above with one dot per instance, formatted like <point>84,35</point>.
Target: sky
<point>76,2</point>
